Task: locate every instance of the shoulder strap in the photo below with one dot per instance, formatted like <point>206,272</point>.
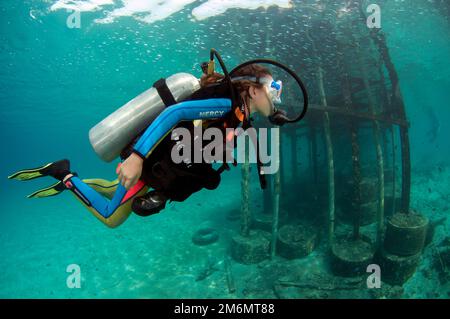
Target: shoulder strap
<point>164,92</point>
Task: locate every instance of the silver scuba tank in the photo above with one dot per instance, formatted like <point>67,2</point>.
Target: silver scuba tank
<point>112,134</point>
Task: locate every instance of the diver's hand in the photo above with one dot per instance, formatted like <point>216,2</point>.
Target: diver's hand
<point>130,171</point>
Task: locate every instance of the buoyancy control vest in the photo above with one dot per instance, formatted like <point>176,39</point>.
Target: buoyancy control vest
<point>179,180</point>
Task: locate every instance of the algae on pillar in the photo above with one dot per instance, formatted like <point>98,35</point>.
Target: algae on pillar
<point>356,166</point>
<point>245,200</point>
<point>249,246</point>
<point>276,201</point>
<point>379,151</point>
<point>330,160</point>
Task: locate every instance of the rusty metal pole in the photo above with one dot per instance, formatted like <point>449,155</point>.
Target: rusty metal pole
<point>394,181</point>
<point>330,160</point>
<point>399,110</point>
<point>388,106</point>
<point>276,200</point>
<point>329,151</point>
<point>268,196</point>
<point>356,165</point>
<point>313,152</point>
<point>378,148</point>
<point>293,138</point>
<point>245,200</point>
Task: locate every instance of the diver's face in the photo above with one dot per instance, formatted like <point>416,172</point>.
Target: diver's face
<point>260,101</point>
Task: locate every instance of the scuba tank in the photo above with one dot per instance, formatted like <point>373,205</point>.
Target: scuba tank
<point>115,132</point>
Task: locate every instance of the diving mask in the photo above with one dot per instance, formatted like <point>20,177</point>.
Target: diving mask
<point>274,87</point>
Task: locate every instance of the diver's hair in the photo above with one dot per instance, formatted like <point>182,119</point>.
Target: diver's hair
<point>254,69</point>
<point>242,86</point>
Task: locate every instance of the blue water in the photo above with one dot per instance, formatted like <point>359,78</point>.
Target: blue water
<point>57,82</point>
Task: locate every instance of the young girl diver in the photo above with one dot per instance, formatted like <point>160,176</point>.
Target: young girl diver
<point>113,201</point>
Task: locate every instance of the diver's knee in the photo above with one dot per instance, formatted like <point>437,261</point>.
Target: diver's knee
<point>113,223</point>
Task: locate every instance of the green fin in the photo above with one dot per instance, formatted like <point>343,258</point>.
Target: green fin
<point>31,173</point>
<point>52,190</point>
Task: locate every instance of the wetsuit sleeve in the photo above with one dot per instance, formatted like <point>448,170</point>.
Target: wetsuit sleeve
<point>171,116</point>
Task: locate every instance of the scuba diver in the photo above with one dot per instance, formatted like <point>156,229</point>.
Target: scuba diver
<point>216,100</point>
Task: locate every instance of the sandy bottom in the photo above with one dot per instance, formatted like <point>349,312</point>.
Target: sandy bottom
<point>154,257</point>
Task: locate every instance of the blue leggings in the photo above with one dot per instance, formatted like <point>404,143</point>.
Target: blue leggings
<point>107,200</point>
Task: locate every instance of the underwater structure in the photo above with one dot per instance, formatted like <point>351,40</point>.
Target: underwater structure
<point>345,173</point>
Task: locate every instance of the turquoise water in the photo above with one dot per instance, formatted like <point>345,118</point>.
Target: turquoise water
<point>57,82</point>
